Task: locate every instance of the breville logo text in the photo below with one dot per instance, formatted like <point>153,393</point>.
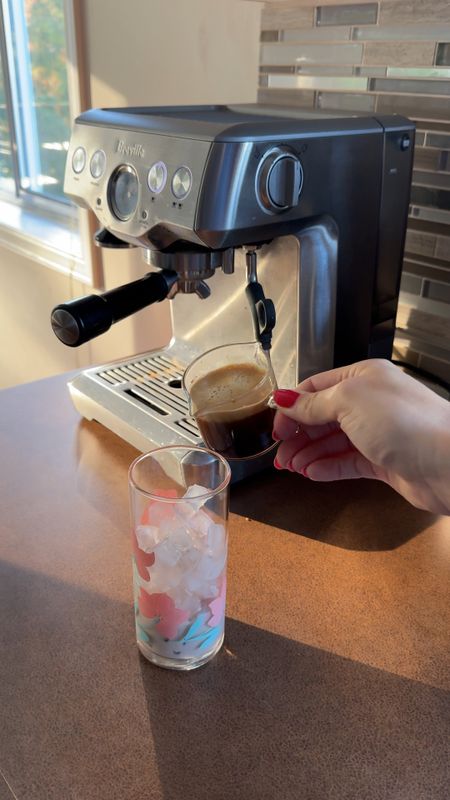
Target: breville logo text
<point>130,149</point>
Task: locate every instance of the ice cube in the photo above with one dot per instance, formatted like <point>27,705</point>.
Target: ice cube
<point>185,600</point>
<point>211,590</point>
<point>181,539</point>
<point>215,537</point>
<point>166,554</point>
<point>194,492</point>
<point>148,536</point>
<point>205,572</point>
<point>194,583</point>
<point>212,566</point>
<point>184,511</point>
<point>166,580</point>
<point>174,530</point>
<point>189,559</point>
<point>156,512</point>
<point>200,523</point>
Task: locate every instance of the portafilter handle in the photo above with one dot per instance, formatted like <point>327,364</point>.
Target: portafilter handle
<point>81,320</point>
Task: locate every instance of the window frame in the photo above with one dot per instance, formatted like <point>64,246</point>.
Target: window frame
<point>47,230</point>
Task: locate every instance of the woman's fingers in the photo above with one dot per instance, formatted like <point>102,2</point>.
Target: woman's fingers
<point>297,453</point>
<point>285,428</point>
<point>341,467</point>
<point>315,408</point>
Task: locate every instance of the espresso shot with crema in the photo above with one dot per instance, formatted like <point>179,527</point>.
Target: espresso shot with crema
<point>229,390</point>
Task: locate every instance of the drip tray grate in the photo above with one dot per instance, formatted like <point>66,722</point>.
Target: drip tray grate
<point>154,385</point>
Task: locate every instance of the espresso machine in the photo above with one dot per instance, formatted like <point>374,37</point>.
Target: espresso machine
<point>241,212</point>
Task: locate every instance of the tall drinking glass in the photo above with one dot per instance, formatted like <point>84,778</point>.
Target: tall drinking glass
<point>179,513</point>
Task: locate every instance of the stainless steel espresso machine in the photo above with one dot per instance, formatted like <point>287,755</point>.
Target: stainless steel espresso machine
<point>231,206</point>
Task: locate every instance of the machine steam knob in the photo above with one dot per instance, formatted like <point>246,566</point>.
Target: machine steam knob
<point>279,180</point>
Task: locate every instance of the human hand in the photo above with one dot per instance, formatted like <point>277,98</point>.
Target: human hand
<point>368,420</point>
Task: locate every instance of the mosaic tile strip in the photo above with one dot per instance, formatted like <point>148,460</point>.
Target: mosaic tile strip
<point>420,243</point>
<point>345,102</point>
<point>427,159</point>
<point>279,53</point>
<point>286,97</point>
<point>410,87</point>
<point>411,284</point>
<point>438,140</point>
<point>437,180</point>
<point>286,15</point>
<point>443,54</point>
<point>331,34</point>
<point>436,291</point>
<point>316,82</point>
<point>416,12</point>
<point>397,54</point>
<point>424,270</point>
<point>443,247</point>
<point>355,14</point>
<point>415,33</point>
<point>417,72</point>
<point>427,108</point>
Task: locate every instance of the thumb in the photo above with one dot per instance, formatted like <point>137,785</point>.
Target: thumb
<point>309,408</point>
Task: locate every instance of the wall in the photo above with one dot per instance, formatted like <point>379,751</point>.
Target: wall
<point>391,56</point>
<point>153,52</point>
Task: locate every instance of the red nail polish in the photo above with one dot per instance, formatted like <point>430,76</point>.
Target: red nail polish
<point>277,464</point>
<point>285,398</point>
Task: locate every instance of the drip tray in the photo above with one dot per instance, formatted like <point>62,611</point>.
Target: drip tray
<point>140,399</point>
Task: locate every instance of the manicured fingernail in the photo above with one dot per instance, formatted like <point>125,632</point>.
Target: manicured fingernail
<point>285,398</point>
<point>289,466</point>
<point>277,464</point>
<point>275,436</point>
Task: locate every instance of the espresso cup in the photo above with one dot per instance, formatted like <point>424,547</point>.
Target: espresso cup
<point>229,389</point>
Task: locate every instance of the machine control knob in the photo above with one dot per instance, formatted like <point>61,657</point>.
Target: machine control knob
<point>279,180</point>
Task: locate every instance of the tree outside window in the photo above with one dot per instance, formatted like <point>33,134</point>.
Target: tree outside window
<point>34,102</point>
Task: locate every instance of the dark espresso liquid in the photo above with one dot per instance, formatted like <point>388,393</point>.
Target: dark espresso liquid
<point>230,406</point>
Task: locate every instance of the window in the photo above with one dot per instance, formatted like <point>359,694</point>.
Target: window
<point>35,124</point>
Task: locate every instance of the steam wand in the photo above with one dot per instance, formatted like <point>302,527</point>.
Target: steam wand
<point>262,308</point>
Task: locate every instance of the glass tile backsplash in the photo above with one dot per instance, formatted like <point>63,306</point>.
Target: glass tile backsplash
<point>281,53</point>
<point>358,14</point>
<point>443,54</point>
<point>391,56</point>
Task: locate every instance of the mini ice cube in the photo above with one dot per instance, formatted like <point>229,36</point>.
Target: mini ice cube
<point>148,537</point>
<point>200,522</point>
<point>215,538</point>
<point>193,492</point>
<point>167,554</point>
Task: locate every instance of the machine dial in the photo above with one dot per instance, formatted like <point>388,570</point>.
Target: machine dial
<point>123,192</point>
<point>279,180</point>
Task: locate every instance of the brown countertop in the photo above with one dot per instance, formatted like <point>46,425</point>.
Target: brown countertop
<point>333,681</point>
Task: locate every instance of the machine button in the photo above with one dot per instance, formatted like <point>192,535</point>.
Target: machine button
<point>98,164</point>
<point>279,180</point>
<point>182,182</point>
<point>405,143</point>
<point>79,160</point>
<point>157,176</point>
